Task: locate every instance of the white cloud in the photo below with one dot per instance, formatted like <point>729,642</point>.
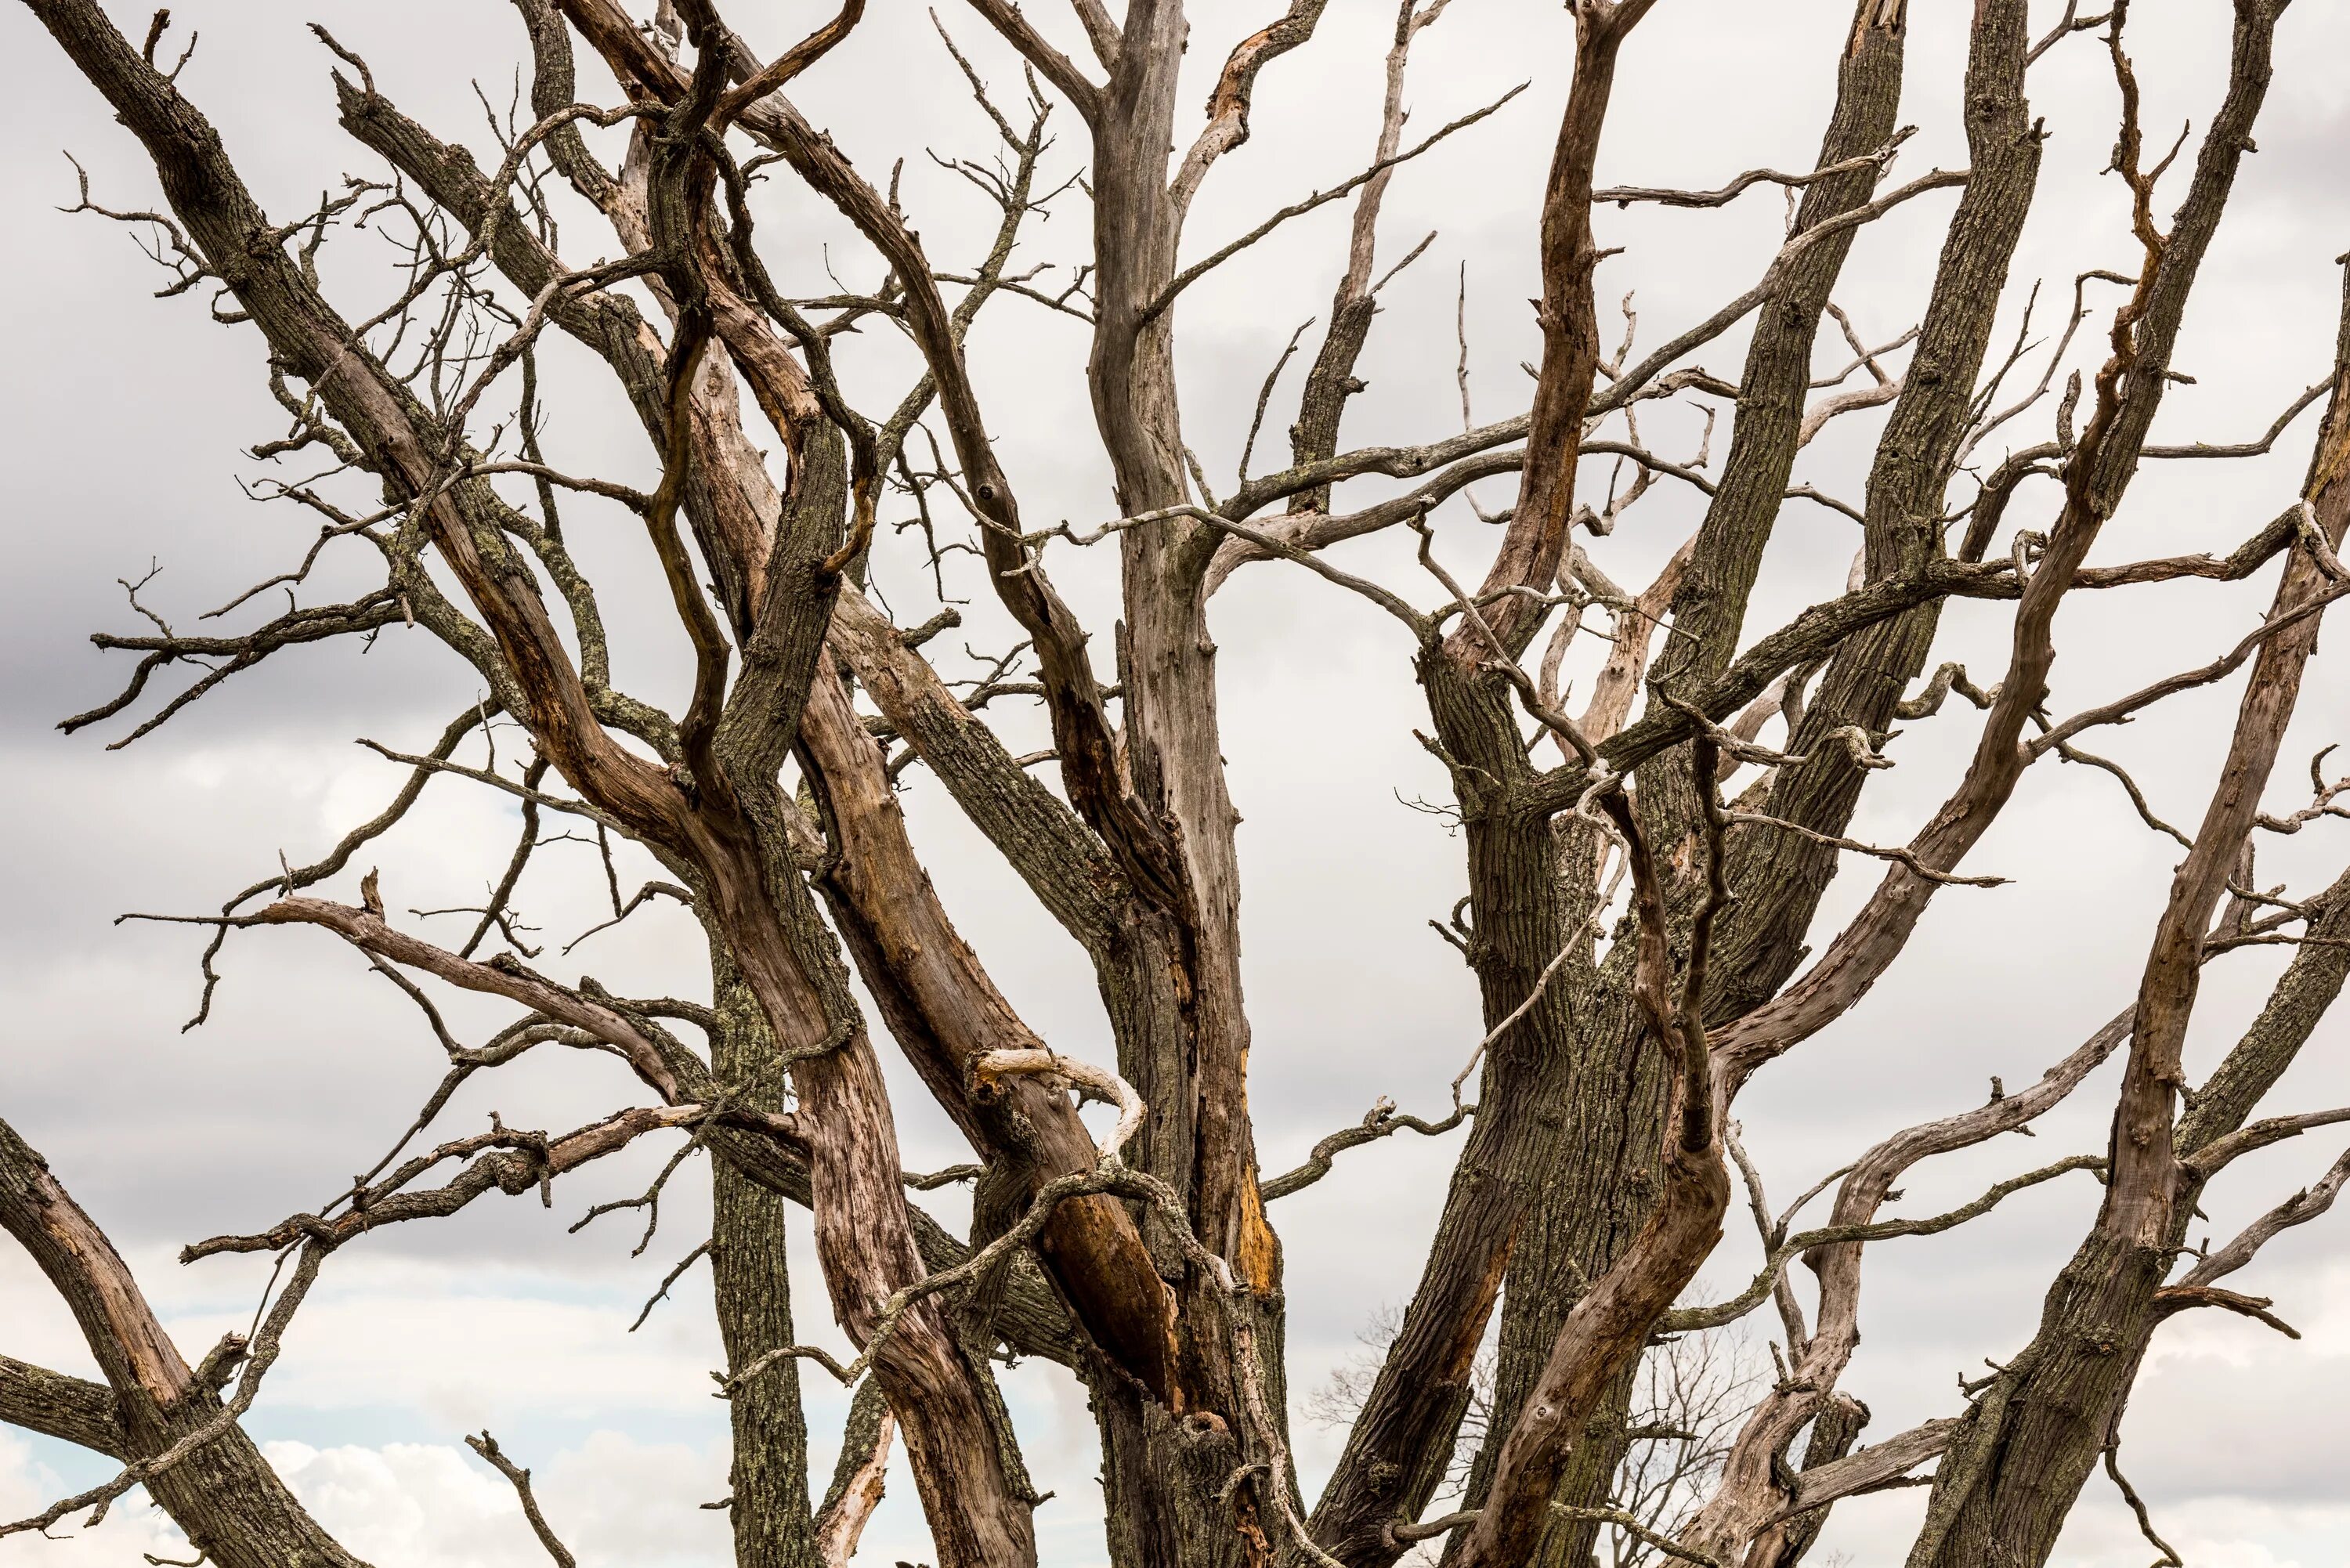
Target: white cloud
<point>612,1500</point>
<point>27,1485</point>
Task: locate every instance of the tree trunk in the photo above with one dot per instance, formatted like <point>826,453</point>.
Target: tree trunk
<point>751,1282</point>
<point>1611,1089</point>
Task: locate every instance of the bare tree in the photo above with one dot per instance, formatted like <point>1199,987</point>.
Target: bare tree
<point>1638,919</point>
<point>1694,1390</point>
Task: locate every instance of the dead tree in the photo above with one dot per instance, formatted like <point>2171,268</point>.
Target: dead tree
<point>1639,922</point>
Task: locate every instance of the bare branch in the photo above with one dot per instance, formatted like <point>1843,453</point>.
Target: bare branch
<point>487,1447</point>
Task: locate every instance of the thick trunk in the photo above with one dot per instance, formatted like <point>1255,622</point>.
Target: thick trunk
<point>1529,946</point>
<point>1610,1094</point>
<point>1606,1334</point>
<point>1159,1440</point>
<point>1175,991</point>
<point>1166,657</point>
<point>1599,1342</point>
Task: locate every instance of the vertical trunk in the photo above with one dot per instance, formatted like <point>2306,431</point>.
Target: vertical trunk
<point>1165,1472</point>
<point>751,1281</point>
<point>1605,1334</point>
<point>753,1289</point>
<point>1610,1095</point>
<point>1529,923</point>
<point>1177,1004</point>
<point>1167,660</point>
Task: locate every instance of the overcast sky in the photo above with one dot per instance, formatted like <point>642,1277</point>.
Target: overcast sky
<point>126,419</point>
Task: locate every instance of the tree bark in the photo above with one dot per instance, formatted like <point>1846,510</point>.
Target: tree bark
<point>752,1288</point>
<point>223,1495</point>
<point>1526,918</point>
<point>1611,1095</point>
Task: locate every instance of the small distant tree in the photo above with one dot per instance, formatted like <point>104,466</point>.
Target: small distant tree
<point>1693,1393</point>
<point>1642,872</point>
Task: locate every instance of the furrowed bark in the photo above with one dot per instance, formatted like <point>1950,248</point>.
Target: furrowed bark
<point>1525,916</point>
<point>2301,998</point>
<point>1780,875</point>
<point>1711,607</point>
<point>864,1239</point>
<point>70,1409</point>
<point>1400,1444</point>
<point>2096,475</point>
<point>1590,1184</point>
<point>751,1284</point>
<point>1590,1215</point>
<point>1610,1324</point>
<point>223,1495</point>
<point>1073,876</point>
<point>973,1501</point>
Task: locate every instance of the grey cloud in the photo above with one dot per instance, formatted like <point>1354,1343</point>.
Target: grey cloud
<point>125,416</point>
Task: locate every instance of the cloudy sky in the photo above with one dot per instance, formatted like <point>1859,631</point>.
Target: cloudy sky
<point>126,421</point>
